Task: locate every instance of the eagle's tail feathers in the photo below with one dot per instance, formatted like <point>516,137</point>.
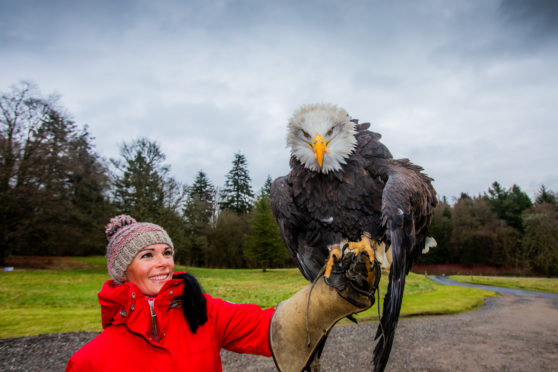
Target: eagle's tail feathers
<point>392,301</point>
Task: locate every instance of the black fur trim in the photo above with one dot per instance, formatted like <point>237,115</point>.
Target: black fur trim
<point>194,304</point>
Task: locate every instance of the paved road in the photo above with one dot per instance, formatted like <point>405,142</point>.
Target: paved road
<point>516,292</point>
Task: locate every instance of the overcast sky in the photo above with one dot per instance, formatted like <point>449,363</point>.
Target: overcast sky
<point>466,89</point>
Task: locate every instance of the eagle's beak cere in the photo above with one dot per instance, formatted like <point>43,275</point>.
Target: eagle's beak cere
<point>319,147</point>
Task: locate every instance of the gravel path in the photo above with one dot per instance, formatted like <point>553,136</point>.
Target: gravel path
<point>508,333</point>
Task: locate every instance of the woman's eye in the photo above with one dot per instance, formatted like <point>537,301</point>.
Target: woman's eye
<point>146,255</point>
<point>168,253</point>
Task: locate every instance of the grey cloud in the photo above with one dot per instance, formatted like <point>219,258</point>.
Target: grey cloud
<point>540,17</point>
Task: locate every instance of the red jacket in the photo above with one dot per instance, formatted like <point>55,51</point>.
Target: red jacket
<point>128,343</point>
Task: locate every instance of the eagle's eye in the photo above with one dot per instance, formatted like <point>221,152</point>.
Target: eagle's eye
<point>305,134</point>
<point>329,132</point>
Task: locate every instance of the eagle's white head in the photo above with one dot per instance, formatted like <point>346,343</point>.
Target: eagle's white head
<point>321,137</point>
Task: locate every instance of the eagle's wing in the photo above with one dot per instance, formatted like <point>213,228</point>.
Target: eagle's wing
<point>295,230</point>
<point>408,199</point>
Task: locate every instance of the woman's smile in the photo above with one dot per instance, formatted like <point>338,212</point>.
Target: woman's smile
<point>159,277</point>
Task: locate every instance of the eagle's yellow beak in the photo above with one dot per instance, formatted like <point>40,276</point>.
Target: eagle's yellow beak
<point>319,147</point>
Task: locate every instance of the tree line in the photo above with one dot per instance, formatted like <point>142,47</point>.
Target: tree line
<point>501,227</point>
<point>56,194</point>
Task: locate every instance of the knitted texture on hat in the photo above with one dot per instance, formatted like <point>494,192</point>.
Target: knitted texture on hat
<point>126,238</point>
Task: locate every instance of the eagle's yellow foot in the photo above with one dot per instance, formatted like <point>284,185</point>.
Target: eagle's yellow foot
<point>368,246</point>
<point>365,245</point>
<point>353,265</point>
<point>334,254</point>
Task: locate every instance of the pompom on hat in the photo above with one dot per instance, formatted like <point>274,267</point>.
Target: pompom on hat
<point>126,238</point>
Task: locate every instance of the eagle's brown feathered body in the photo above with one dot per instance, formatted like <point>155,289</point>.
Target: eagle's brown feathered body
<point>389,198</point>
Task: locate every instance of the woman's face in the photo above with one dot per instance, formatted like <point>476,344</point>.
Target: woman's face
<point>151,268</point>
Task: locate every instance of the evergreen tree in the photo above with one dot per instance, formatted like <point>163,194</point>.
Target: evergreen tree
<point>545,196</point>
<point>143,188</point>
<point>266,189</point>
<point>198,213</point>
<point>264,243</point>
<point>508,204</point>
<point>237,193</point>
<point>202,189</point>
<point>139,188</point>
<point>463,196</point>
<point>518,201</point>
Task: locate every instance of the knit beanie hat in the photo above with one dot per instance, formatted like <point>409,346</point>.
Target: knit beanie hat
<point>126,238</point>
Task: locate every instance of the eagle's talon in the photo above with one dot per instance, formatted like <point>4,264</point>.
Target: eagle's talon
<point>364,245</point>
<point>334,255</point>
<point>334,274</point>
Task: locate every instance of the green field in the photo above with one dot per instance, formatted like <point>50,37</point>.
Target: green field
<point>531,284</point>
<point>51,301</point>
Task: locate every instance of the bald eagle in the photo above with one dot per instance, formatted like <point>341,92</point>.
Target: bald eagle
<point>344,185</point>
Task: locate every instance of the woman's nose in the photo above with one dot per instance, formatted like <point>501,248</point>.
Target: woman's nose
<point>161,260</point>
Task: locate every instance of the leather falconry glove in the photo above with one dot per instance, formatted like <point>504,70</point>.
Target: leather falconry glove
<point>301,323</point>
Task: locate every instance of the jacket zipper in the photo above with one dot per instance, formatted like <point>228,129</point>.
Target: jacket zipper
<point>153,318</point>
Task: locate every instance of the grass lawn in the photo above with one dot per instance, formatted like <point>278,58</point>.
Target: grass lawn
<point>51,301</point>
<point>531,284</point>
<point>424,297</point>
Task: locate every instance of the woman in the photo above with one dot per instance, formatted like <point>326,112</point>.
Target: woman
<point>155,320</point>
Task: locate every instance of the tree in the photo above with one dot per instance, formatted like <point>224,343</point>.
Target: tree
<point>226,240</point>
<point>540,240</point>
<point>203,189</point>
<point>509,204</point>
<point>22,114</point>
<point>237,194</point>
<point>479,236</point>
<point>464,195</point>
<point>198,213</point>
<point>48,169</point>
<point>441,230</point>
<point>264,243</point>
<point>545,196</point>
<point>143,188</point>
<point>266,188</point>
<point>139,188</point>
<point>88,187</point>
<point>518,201</point>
